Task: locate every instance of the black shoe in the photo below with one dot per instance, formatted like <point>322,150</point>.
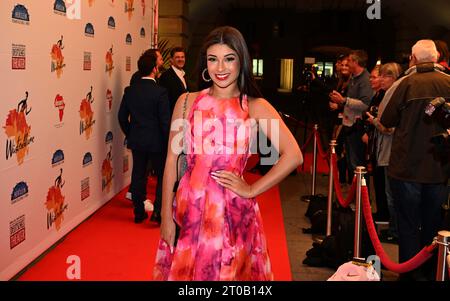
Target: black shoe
<point>140,218</point>
<point>156,217</point>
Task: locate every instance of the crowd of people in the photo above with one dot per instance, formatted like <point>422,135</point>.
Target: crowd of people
<point>211,227</point>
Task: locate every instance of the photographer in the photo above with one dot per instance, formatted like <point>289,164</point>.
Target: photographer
<point>358,100</point>
<point>381,150</point>
<point>417,176</point>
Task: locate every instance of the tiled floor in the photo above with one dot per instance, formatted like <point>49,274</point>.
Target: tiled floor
<point>291,189</point>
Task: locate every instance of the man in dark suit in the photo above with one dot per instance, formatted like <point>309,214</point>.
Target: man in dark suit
<point>173,79</point>
<point>144,118</point>
<point>159,64</point>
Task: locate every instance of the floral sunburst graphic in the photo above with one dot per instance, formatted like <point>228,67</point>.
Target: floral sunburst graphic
<point>109,61</point>
<point>87,115</point>
<point>57,58</point>
<point>55,203</point>
<point>18,131</point>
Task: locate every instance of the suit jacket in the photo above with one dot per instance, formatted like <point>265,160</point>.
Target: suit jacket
<point>144,116</point>
<point>170,80</point>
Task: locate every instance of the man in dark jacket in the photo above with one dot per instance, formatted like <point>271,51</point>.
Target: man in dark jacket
<point>144,118</point>
<point>417,171</point>
<point>173,79</point>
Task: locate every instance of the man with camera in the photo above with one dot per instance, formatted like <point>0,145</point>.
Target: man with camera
<point>357,101</point>
<point>417,170</point>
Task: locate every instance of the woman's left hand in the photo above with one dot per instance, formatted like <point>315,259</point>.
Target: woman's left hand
<point>233,182</point>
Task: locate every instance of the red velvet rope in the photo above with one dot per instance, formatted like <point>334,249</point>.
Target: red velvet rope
<point>337,187</point>
<point>307,141</point>
<point>404,267</point>
<point>322,153</point>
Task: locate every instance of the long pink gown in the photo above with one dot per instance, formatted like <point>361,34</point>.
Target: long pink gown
<point>222,236</point>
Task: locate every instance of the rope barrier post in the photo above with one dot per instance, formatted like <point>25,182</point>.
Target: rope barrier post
<point>314,165</point>
<point>443,240</point>
<point>333,144</point>
<point>360,181</point>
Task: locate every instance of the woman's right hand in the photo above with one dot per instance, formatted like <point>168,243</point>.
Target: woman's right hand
<point>168,232</point>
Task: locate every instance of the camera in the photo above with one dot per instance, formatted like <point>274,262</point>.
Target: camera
<point>373,110</point>
<point>439,109</point>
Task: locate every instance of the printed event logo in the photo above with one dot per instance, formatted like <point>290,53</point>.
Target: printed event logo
<point>129,8</point>
<point>111,23</point>
<point>107,172</point>
<point>142,32</point>
<point>60,105</point>
<point>85,189</point>
<point>57,58</point>
<point>109,61</point>
<point>87,61</point>
<point>58,158</point>
<point>55,203</point>
<point>59,8</point>
<point>20,15</point>
<point>18,131</point>
<point>20,191</point>
<point>128,63</point>
<point>18,57</point>
<point>109,100</point>
<point>89,30</point>
<point>87,115</point>
<point>87,159</point>
<point>128,39</point>
<point>126,158</point>
<point>16,232</point>
<point>143,7</point>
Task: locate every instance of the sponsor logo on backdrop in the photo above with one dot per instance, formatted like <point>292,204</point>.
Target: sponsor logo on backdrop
<point>16,232</point>
<point>89,30</point>
<point>109,138</point>
<point>111,23</point>
<point>107,172</point>
<point>18,131</point>
<point>126,157</point>
<point>129,8</point>
<point>128,39</point>
<point>57,58</point>
<point>85,189</point>
<point>109,100</point>
<point>142,32</point>
<point>60,105</point>
<point>87,159</point>
<point>58,158</point>
<point>128,63</point>
<point>55,203</point>
<point>87,61</point>
<point>60,8</point>
<point>20,191</point>
<point>109,61</point>
<point>143,7</point>
<point>18,57</point>
<point>20,15</point>
<point>87,115</point>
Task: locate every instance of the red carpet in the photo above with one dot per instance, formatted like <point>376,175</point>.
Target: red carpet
<point>111,247</point>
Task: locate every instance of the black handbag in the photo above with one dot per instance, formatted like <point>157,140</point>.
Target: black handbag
<point>181,159</point>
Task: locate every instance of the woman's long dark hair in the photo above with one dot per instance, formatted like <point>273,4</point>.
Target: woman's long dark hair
<point>231,37</point>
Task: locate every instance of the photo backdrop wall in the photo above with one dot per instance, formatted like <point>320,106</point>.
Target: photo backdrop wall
<point>64,66</point>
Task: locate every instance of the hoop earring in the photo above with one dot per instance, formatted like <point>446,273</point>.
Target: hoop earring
<point>204,77</point>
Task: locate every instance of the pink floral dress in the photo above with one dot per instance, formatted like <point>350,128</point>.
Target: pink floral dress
<point>221,236</point>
